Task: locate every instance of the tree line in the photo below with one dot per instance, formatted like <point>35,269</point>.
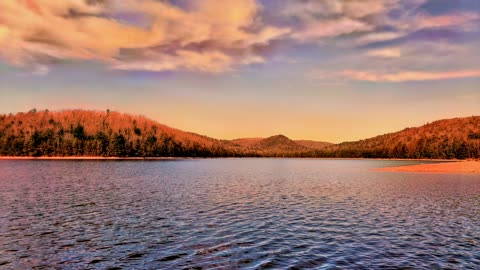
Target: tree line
<point>112,134</point>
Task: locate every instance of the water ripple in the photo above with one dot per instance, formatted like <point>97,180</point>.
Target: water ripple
<point>235,214</point>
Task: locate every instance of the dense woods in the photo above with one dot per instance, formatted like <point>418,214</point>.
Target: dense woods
<point>457,138</point>
<point>94,133</point>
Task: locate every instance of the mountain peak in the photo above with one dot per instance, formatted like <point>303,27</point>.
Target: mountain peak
<point>278,137</point>
<point>279,143</point>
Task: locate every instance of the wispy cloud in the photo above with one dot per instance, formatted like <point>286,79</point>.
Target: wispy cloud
<point>331,28</point>
<point>405,76</point>
<point>464,19</point>
<point>413,26</point>
<point>377,37</point>
<point>325,19</point>
<point>386,53</point>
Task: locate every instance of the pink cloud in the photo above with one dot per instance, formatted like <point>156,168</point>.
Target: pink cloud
<point>385,53</point>
<point>209,36</point>
<point>206,36</point>
<point>448,20</point>
<point>331,28</point>
<point>405,76</point>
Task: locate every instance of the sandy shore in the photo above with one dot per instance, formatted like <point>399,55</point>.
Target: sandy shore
<point>444,167</point>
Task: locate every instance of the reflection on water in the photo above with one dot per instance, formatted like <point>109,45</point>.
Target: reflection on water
<point>235,213</point>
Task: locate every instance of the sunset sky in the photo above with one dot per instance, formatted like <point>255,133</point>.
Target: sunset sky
<point>331,70</point>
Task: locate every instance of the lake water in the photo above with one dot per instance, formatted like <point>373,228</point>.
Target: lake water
<point>235,214</point>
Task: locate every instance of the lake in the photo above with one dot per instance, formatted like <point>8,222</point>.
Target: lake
<point>235,214</point>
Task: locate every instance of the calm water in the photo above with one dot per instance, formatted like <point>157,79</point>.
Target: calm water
<point>235,213</point>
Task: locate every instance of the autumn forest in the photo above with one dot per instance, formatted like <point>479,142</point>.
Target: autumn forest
<point>113,134</point>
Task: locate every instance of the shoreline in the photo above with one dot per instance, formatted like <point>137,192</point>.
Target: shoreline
<point>461,167</point>
<point>441,166</point>
<point>90,158</point>
<point>187,158</point>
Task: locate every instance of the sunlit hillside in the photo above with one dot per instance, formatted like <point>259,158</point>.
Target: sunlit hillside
<point>444,139</point>
<point>280,144</point>
<point>95,133</point>
<point>106,133</point>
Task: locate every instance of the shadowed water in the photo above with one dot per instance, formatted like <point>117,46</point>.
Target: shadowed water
<point>235,213</point>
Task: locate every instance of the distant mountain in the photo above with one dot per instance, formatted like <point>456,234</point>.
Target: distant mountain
<point>444,139</point>
<point>94,133</point>
<point>279,145</point>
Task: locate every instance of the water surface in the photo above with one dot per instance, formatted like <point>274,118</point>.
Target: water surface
<point>235,214</point>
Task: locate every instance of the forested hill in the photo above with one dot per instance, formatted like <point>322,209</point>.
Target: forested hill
<point>279,145</point>
<point>95,133</point>
<point>444,139</point>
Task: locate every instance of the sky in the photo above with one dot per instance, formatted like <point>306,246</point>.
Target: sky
<point>328,70</point>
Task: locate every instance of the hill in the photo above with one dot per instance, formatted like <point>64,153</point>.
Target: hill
<point>444,139</point>
<point>94,133</point>
<point>280,143</point>
<point>113,134</point>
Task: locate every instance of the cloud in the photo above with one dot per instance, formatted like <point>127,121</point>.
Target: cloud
<point>406,76</point>
<point>213,62</point>
<point>377,37</point>
<point>401,42</point>
<point>331,18</point>
<point>331,28</point>
<point>423,26</point>
<point>207,36</point>
<point>385,53</point>
<point>404,20</point>
<point>312,9</point>
<point>463,19</point>
<point>40,70</point>
<point>210,35</point>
